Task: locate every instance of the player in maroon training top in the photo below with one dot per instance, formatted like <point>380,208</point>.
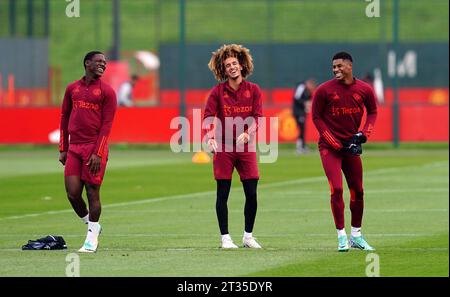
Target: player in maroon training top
<point>87,114</point>
<point>236,104</point>
<point>337,111</point>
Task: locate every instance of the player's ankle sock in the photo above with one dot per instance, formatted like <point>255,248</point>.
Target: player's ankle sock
<point>248,235</point>
<point>226,236</point>
<point>85,219</point>
<point>341,232</point>
<point>356,232</point>
<point>93,230</point>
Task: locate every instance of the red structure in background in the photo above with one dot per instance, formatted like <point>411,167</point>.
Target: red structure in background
<point>283,97</point>
<point>23,97</point>
<point>152,124</point>
<point>145,92</point>
<point>423,112</point>
<point>116,74</point>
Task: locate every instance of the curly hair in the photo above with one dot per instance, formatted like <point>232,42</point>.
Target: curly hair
<point>216,63</point>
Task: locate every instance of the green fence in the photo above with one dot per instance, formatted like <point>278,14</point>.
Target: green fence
<point>145,24</point>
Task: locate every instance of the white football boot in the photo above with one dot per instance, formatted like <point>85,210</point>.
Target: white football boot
<point>227,242</point>
<point>250,242</point>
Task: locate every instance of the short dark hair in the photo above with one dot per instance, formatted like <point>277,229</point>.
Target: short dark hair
<point>89,56</point>
<point>343,56</point>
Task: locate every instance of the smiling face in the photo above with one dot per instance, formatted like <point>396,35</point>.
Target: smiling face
<point>232,68</point>
<point>96,66</point>
<point>342,69</point>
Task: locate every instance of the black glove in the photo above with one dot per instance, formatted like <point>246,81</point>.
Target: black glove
<point>353,148</point>
<point>359,138</point>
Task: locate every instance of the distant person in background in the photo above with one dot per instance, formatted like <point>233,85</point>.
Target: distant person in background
<point>337,109</point>
<point>87,115</point>
<point>301,106</point>
<point>376,82</point>
<point>368,78</point>
<point>125,93</point>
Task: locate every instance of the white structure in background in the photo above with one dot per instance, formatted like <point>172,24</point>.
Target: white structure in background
<point>406,67</point>
<point>149,60</point>
<point>53,136</point>
<point>378,85</point>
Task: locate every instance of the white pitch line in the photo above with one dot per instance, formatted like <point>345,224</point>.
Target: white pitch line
<point>197,194</point>
<point>432,190</point>
<point>205,235</point>
<point>265,249</point>
<point>415,190</point>
<point>275,210</point>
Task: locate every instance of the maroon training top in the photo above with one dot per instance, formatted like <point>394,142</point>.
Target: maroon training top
<point>87,114</point>
<point>337,111</point>
<point>224,101</point>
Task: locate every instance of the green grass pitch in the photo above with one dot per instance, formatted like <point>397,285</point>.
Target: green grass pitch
<point>159,217</point>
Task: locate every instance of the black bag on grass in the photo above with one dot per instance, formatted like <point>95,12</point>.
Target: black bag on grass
<point>49,242</point>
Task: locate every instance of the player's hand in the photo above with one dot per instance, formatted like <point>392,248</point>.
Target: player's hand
<point>308,105</point>
<point>63,157</point>
<point>94,163</point>
<point>359,138</point>
<point>352,148</point>
<point>212,143</point>
<point>355,149</point>
<point>243,138</point>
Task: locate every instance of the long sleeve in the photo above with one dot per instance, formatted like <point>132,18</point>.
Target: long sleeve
<point>108,112</point>
<point>64,124</point>
<point>371,107</point>
<point>257,110</point>
<point>318,109</point>
<point>211,112</point>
